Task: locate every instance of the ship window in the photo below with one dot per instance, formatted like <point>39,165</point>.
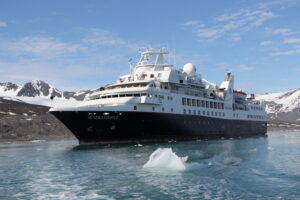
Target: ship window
<point>103,97</point>
<point>199,112</point>
<point>190,112</point>
<point>122,95</point>
<point>212,113</point>
<point>211,105</point>
<point>184,101</point>
<point>203,112</point>
<point>114,96</point>
<point>202,103</point>
<point>144,94</point>
<point>222,105</point>
<point>129,95</point>
<point>189,102</point>
<point>207,104</point>
<point>215,105</point>
<point>220,114</point>
<point>184,111</point>
<point>198,103</point>
<point>152,76</point>
<point>216,114</point>
<point>153,108</point>
<point>134,107</point>
<point>171,109</point>
<point>180,81</point>
<point>194,102</point>
<point>207,113</point>
<point>163,109</point>
<point>137,95</point>
<point>194,112</point>
<point>223,114</point>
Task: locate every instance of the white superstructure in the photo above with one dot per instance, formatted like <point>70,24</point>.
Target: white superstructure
<point>154,86</point>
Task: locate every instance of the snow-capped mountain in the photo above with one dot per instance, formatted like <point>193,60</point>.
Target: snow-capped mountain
<point>9,89</point>
<point>283,106</point>
<point>38,88</point>
<point>39,92</point>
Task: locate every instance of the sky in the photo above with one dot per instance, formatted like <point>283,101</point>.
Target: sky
<point>85,44</point>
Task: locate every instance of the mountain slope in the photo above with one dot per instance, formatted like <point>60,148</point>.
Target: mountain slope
<point>39,92</point>
<point>282,106</point>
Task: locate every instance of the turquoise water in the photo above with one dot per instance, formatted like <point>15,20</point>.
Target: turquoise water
<point>252,168</point>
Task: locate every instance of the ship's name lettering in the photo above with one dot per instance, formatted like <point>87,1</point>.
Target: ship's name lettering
<point>103,117</point>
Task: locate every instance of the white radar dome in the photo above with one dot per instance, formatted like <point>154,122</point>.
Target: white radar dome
<point>189,69</point>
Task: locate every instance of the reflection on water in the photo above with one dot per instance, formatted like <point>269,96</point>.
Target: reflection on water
<point>248,168</point>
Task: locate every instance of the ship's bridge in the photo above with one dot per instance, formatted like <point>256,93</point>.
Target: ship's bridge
<point>152,61</point>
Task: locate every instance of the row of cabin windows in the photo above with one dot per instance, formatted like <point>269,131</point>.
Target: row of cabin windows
<point>133,95</point>
<point>153,109</point>
<point>119,95</point>
<point>256,108</point>
<point>202,103</point>
<point>256,117</point>
<point>204,113</point>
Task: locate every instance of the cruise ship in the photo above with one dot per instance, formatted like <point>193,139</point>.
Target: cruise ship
<point>156,102</point>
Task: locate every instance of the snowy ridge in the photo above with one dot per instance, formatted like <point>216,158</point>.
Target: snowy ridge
<point>282,101</point>
<point>39,92</point>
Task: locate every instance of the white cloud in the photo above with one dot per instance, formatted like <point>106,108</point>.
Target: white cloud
<point>239,22</point>
<point>289,52</point>
<point>283,31</point>
<point>297,69</point>
<point>3,24</point>
<point>244,68</point>
<point>265,43</point>
<point>189,23</point>
<point>291,40</point>
<point>236,36</point>
<point>45,47</point>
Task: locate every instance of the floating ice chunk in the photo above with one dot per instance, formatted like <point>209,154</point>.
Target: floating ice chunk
<point>165,158</point>
<point>11,113</point>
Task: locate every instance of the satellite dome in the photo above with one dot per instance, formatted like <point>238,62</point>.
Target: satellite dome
<point>189,69</point>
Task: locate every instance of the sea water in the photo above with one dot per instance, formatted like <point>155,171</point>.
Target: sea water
<point>245,168</point>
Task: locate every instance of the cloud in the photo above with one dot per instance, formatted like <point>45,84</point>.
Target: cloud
<point>244,68</point>
<point>2,24</point>
<point>94,57</point>
<point>289,52</point>
<point>236,36</point>
<point>42,47</point>
<point>265,43</point>
<point>297,69</point>
<point>102,37</point>
<point>239,22</point>
<point>291,41</point>
<point>283,31</point>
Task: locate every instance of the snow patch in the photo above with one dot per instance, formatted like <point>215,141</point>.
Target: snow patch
<point>288,100</point>
<point>11,113</point>
<point>166,159</point>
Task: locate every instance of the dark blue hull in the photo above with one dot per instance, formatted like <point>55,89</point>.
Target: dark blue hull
<point>117,127</point>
